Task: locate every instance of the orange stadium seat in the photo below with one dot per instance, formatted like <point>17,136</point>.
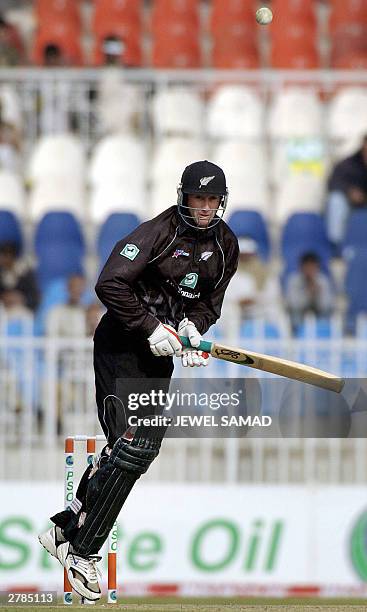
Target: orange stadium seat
<point>356,61</point>
<point>176,52</point>
<point>347,11</point>
<point>294,9</point>
<point>226,56</point>
<point>108,12</point>
<point>165,11</point>
<point>54,10</point>
<point>65,36</point>
<point>348,41</point>
<point>226,13</point>
<point>300,58</point>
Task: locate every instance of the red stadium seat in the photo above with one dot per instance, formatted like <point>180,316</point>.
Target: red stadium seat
<point>294,9</point>
<point>347,12</point>
<point>165,11</point>
<point>350,40</point>
<point>55,10</point>
<point>226,56</point>
<point>176,52</point>
<point>225,14</point>
<point>351,62</point>
<point>299,57</point>
<point>109,12</point>
<point>63,35</point>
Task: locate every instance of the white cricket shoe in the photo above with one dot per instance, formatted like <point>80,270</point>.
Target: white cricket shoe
<point>82,572</point>
<point>51,539</point>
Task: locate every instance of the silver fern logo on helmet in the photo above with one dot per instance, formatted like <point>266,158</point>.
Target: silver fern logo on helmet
<point>205,180</point>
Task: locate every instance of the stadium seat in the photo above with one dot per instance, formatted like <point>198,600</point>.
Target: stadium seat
<point>304,233</point>
<point>299,193</point>
<point>58,155</point>
<point>355,237</point>
<point>116,196</point>
<point>234,53</point>
<point>295,112</point>
<point>235,111</point>
<point>12,195</point>
<point>246,169</point>
<point>10,229</point>
<point>247,223</point>
<point>119,156</point>
<point>165,12</point>
<point>347,12</point>
<point>296,10</point>
<point>171,156</point>
<point>349,40</point>
<point>59,247</point>
<point>114,228</point>
<point>356,288</point>
<point>224,12</point>
<point>64,35</point>
<point>177,110</point>
<point>298,57</point>
<point>346,120</point>
<point>56,193</point>
<point>176,51</point>
<point>47,11</point>
<point>108,13</point>
<point>120,106</point>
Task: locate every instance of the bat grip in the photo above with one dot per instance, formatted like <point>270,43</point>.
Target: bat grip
<point>203,346</point>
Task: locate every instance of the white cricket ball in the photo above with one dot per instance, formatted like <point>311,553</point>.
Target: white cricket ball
<point>264,16</point>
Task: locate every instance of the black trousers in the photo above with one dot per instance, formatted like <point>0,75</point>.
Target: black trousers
<point>120,377</point>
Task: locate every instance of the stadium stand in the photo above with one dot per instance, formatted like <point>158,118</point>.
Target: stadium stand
<point>12,196</point>
<point>59,246</point>
<point>250,224</point>
<point>235,111</point>
<point>303,233</point>
<point>167,116</point>
<point>111,231</point>
<point>10,229</point>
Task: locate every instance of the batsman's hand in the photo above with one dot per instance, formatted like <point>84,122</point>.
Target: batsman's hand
<point>187,328</point>
<point>191,358</point>
<point>164,341</point>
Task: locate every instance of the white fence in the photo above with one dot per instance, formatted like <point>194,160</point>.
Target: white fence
<point>47,392</point>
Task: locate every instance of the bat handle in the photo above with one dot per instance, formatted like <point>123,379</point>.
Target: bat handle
<point>204,344</point>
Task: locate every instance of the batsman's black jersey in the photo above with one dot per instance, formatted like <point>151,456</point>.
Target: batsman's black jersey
<point>164,271</point>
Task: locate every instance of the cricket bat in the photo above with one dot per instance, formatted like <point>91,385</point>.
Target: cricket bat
<point>273,365</point>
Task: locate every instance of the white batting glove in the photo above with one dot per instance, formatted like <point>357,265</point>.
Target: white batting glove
<point>188,329</point>
<point>191,358</point>
<point>164,341</point>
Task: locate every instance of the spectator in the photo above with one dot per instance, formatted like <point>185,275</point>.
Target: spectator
<point>69,320</point>
<point>253,292</point>
<point>113,49</point>
<point>308,291</point>
<point>347,188</point>
<point>11,46</point>
<point>52,57</point>
<point>16,274</point>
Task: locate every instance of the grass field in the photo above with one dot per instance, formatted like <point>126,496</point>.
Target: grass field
<point>212,605</point>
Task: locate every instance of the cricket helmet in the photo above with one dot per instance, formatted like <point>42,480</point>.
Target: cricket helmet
<point>200,178</point>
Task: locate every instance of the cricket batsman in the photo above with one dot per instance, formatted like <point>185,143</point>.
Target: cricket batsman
<point>164,280</point>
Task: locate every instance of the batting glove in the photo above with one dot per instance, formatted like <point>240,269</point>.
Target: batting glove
<point>164,341</point>
<point>191,358</point>
<point>188,329</point>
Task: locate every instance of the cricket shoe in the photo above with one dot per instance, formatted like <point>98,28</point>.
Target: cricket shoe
<point>51,539</point>
<point>82,572</point>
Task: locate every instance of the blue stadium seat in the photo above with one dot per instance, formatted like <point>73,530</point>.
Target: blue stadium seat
<point>10,229</point>
<point>59,246</point>
<point>356,288</point>
<point>112,230</point>
<point>303,233</point>
<point>252,224</point>
<point>356,230</point>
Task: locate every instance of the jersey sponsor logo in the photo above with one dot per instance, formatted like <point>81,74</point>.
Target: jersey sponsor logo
<point>130,251</point>
<point>188,294</point>
<point>205,256</point>
<point>180,253</point>
<point>190,280</point>
<point>205,180</point>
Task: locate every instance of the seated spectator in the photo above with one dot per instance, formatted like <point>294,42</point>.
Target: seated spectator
<point>53,57</point>
<point>16,274</point>
<point>253,292</point>
<point>308,291</point>
<point>93,315</point>
<point>11,46</point>
<point>113,48</point>
<point>69,319</point>
<point>347,188</point>
<point>13,303</point>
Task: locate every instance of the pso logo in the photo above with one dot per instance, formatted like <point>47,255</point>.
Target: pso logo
<point>358,546</point>
<point>69,460</point>
<point>68,598</point>
<point>113,596</point>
